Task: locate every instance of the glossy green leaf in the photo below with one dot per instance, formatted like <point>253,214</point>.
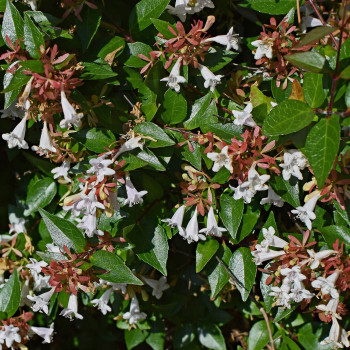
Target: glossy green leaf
<point>135,49</point>
<point>163,27</point>
<point>97,70</point>
<point>94,139</point>
<point>313,89</point>
<point>321,147</point>
<point>310,61</point>
<point>231,214</point>
<point>40,195</point>
<point>244,270</point>
<point>134,337</point>
<point>118,272</point>
<point>198,110</point>
<point>205,251</point>
<point>272,7</point>
<point>210,336</point>
<point>259,335</point>
<point>63,232</point>
<point>15,81</point>
<point>287,117</point>
<point>35,66</point>
<point>288,190</point>
<point>10,295</point>
<point>175,108</point>
<point>333,232</point>
<point>155,132</point>
<point>315,35</point>
<point>12,24</point>
<point>33,38</point>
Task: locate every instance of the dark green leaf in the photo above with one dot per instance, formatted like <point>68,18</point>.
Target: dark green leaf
<point>63,232</point>
<point>259,336</point>
<point>162,27</point>
<point>331,233</point>
<point>313,89</point>
<point>219,59</point>
<point>94,139</point>
<point>97,70</point>
<point>33,38</point>
<point>155,132</point>
<point>198,110</point>
<point>321,147</point>
<point>310,61</point>
<point>244,270</point>
<point>345,74</point>
<point>35,66</point>
<point>272,7</point>
<point>287,117</point>
<point>175,108</point>
<point>10,295</point>
<point>12,24</point>
<point>205,251</point>
<point>16,81</point>
<point>118,271</point>
<point>194,158</point>
<point>288,190</point>
<point>40,195</point>
<point>315,35</point>
<point>210,336</point>
<point>226,131</point>
<point>134,337</point>
<point>134,50</point>
<point>87,28</point>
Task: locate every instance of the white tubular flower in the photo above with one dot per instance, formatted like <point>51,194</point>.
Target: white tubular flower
<point>306,212</point>
<point>244,117</point>
<point>191,231</point>
<point>129,145</point>
<point>261,256</point>
<point>299,293</point>
<point>272,239</point>
<point>71,117</point>
<point>177,218</point>
<point>88,223</point>
<point>294,161</point>
<point>158,287</point>
<point>315,258</point>
<point>43,332</point>
<point>134,315</point>
<point>282,295</point>
<point>330,308</point>
<point>51,248</point>
<point>45,144</point>
<point>102,302</point>
<point>272,198</point>
<point>337,335</point>
<point>86,204</point>
<point>72,308</point>
<point>17,224</point>
<point>294,276</point>
<point>35,266</point>
<point>230,40</point>
<point>264,48</point>
<point>100,167</point>
<point>179,10</point>
<point>244,191</point>
<point>41,282</point>
<point>13,111</point>
<point>9,335</point>
<point>41,301</point>
<point>211,80</point>
<point>327,285</point>
<point>183,7</point>
<point>174,79</point>
<point>220,160</point>
<point>62,171</point>
<point>117,286</point>
<point>16,137</point>
<point>212,225</point>
<point>134,197</point>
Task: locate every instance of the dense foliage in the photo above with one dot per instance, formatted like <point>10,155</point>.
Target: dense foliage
<point>175,174</point>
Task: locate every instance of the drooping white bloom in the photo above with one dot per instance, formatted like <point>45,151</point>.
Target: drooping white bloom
<point>174,79</point>
<point>244,117</point>
<point>43,332</point>
<point>282,295</point>
<point>134,315</point>
<point>327,285</point>
<point>272,198</point>
<point>307,21</point>
<point>315,258</point>
<point>13,111</point>
<point>220,160</point>
<point>134,197</point>
<point>272,239</point>
<point>264,48</point>
<point>35,266</point>
<point>9,335</point>
<point>230,40</point>
<point>116,286</point>
<point>261,256</point>
<point>16,137</point>
<point>41,282</point>
<point>184,7</point>
<point>211,80</point>
<point>86,204</point>
<point>158,287</point>
<point>294,161</point>
<point>17,224</point>
<point>177,218</point>
<point>41,301</point>
<point>337,335</point>
<point>129,145</point>
<point>62,171</point>
<point>88,223</point>
<point>299,293</point>
<point>100,167</point>
<point>72,308</point>
<point>102,302</point>
<point>191,232</point>
<point>71,117</point>
<point>212,225</point>
<point>45,144</point>
<point>293,275</point>
<point>330,308</point>
<point>306,212</point>
<point>248,189</point>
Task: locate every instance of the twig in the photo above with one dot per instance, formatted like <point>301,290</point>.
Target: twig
<point>335,77</point>
<point>260,307</point>
<point>310,2</point>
